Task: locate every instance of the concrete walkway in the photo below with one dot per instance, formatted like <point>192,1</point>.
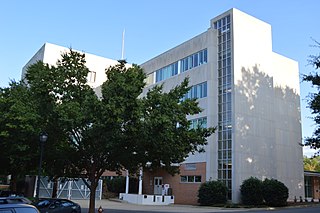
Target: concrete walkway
<point>116,204</point>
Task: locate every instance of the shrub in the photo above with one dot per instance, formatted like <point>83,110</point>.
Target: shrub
<point>118,185</point>
<point>212,192</point>
<point>275,193</point>
<point>251,191</point>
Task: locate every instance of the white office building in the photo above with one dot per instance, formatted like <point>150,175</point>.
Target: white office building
<point>248,92</point>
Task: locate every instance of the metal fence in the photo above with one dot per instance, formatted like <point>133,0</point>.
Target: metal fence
<point>67,188</point>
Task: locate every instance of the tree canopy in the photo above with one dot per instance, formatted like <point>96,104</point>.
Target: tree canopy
<point>311,164</point>
<point>119,130</point>
<point>314,101</point>
<point>18,132</point>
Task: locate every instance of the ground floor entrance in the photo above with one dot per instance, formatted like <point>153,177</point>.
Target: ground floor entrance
<point>312,185</point>
<point>158,184</point>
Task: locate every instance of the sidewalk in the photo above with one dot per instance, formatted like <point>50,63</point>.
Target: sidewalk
<point>117,204</point>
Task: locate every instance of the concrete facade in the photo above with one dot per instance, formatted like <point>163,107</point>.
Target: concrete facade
<point>252,97</point>
<point>51,53</point>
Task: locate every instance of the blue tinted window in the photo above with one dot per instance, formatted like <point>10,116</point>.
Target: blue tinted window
<point>187,63</point>
<point>198,123</point>
<point>205,89</point>
<point>201,57</point>
<point>205,56</point>
<point>197,91</point>
<point>195,60</point>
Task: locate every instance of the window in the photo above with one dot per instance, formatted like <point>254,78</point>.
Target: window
<point>91,76</point>
<point>308,186</point>
<point>182,65</point>
<point>190,179</point>
<point>205,56</point>
<point>197,179</point>
<point>198,123</point>
<point>197,91</point>
<point>166,72</point>
<point>184,179</point>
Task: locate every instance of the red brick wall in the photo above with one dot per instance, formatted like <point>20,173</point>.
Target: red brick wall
<point>185,193</point>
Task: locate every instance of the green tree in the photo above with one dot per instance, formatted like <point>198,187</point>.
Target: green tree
<point>119,130</point>
<point>18,132</point>
<point>45,85</point>
<point>311,164</point>
<point>314,100</point>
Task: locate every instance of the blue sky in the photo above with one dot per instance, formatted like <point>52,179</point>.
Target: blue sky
<point>151,27</point>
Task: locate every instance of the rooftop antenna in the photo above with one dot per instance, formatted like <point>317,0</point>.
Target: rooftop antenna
<point>122,50</point>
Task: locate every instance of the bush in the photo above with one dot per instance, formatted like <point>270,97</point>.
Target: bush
<point>118,185</point>
<point>251,191</point>
<point>275,193</point>
<point>212,193</point>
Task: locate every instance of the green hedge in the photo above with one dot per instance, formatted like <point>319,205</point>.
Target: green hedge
<point>271,191</point>
<point>275,193</point>
<point>251,191</point>
<point>212,193</point>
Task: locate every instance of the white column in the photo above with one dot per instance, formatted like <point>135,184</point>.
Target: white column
<point>127,182</point>
<point>69,189</point>
<point>140,182</point>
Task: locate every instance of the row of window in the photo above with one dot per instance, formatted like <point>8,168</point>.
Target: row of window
<point>190,179</point>
<point>198,123</point>
<point>225,154</point>
<point>182,65</point>
<point>167,72</point>
<point>225,126</point>
<point>224,101</point>
<point>225,135</point>
<point>225,145</point>
<point>197,91</point>
<point>222,22</point>
<point>194,60</point>
<point>225,174</point>
<point>225,117</point>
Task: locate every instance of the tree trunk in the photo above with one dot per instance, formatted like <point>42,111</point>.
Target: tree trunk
<point>93,187</point>
<point>55,187</point>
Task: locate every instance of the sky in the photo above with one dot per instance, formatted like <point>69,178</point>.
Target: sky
<point>151,27</point>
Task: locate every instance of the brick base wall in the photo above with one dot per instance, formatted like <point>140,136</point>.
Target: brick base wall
<point>184,192</point>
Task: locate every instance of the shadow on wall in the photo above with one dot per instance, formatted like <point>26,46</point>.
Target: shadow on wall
<point>267,119</point>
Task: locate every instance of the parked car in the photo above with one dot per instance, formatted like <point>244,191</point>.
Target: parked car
<point>52,205</point>
<point>18,208</point>
<point>14,199</point>
<point>7,193</point>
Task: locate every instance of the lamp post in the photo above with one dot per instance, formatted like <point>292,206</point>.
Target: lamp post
<point>43,138</point>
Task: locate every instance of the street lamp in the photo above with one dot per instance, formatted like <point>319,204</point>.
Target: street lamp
<point>43,138</point>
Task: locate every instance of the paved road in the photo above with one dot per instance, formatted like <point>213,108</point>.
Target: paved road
<point>118,207</point>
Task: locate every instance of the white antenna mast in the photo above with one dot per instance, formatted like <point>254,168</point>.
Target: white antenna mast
<point>122,50</point>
